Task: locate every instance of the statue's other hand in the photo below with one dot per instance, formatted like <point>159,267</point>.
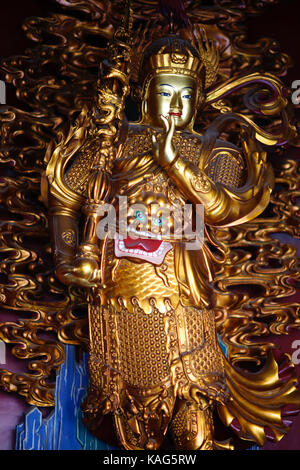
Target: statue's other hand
<point>84,274</point>
<point>164,151</point>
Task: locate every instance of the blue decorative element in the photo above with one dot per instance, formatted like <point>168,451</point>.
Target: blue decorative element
<point>222,346</point>
<point>63,429</point>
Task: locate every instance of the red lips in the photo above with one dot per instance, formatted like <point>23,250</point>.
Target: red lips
<point>175,114</point>
<point>149,245</point>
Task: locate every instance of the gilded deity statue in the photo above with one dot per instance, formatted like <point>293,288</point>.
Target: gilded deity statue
<point>161,228</point>
<point>155,362</point>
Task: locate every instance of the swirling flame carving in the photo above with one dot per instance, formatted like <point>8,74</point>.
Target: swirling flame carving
<point>54,80</point>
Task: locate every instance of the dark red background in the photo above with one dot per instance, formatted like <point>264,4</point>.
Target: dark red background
<point>280,22</point>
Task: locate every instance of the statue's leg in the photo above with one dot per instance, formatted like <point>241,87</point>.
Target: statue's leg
<point>192,426</point>
<point>129,375</point>
<point>142,422</point>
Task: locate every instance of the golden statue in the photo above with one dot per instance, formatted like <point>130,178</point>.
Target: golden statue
<point>155,362</point>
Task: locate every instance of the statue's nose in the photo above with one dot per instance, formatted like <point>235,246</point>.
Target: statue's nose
<point>176,102</point>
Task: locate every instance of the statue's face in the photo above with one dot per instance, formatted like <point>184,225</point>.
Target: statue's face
<point>170,94</point>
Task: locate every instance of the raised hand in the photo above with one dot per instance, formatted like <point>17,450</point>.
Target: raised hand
<point>163,149</point>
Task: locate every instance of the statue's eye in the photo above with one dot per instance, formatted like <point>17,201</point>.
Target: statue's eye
<point>139,215</point>
<point>158,221</point>
<point>187,97</point>
<point>164,93</point>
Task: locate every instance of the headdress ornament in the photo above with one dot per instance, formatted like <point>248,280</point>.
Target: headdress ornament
<point>172,54</point>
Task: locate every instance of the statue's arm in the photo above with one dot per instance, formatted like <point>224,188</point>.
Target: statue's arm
<point>63,225</point>
<point>64,202</point>
<point>225,205</point>
<point>64,228</point>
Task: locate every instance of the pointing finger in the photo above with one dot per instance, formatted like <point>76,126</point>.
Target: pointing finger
<point>172,124</point>
<point>172,128</point>
<point>165,122</point>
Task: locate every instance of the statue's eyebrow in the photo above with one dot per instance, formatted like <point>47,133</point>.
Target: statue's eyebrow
<point>166,84</point>
<point>185,88</point>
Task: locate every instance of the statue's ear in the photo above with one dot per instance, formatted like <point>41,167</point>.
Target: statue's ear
<point>201,98</point>
<point>144,107</point>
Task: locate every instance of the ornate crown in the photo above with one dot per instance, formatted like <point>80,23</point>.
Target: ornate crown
<point>172,54</point>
